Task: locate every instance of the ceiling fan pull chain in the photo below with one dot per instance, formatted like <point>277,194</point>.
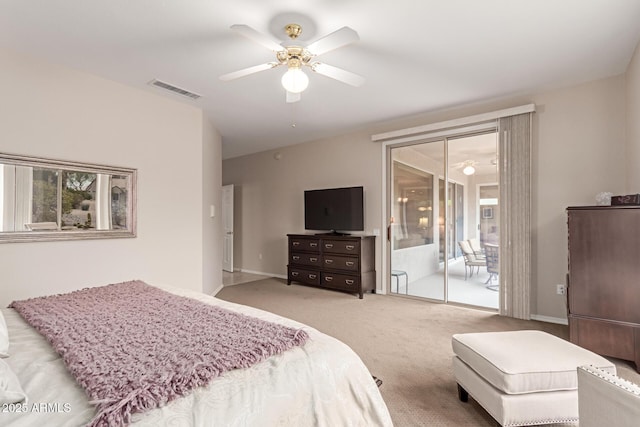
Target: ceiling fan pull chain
<point>294,110</point>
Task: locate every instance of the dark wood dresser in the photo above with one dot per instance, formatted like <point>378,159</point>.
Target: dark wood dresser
<point>345,263</point>
<point>604,280</point>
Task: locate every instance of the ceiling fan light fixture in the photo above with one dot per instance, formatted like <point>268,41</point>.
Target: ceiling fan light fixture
<point>295,80</point>
<point>469,170</point>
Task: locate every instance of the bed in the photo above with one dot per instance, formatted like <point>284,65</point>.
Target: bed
<point>320,383</point>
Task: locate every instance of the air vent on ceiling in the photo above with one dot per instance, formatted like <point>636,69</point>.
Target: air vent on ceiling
<point>172,88</point>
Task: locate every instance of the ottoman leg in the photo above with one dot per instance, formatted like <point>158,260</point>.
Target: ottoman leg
<point>462,394</point>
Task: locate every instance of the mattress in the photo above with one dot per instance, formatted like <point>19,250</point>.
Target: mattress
<point>323,383</point>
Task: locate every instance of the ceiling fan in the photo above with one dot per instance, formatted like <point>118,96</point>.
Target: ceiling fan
<point>295,57</point>
<point>468,167</point>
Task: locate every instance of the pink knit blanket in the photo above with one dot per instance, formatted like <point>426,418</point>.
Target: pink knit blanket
<point>134,347</point>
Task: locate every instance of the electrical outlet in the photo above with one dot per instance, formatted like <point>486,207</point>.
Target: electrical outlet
<point>561,289</point>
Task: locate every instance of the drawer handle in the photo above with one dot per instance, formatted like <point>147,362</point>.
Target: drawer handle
<point>312,276</point>
<point>295,257</point>
<point>313,259</point>
<point>350,247</point>
<point>328,278</point>
<point>350,263</point>
<point>294,273</point>
<point>295,243</point>
<point>328,245</point>
<point>349,282</point>
<point>328,261</point>
<point>313,244</point>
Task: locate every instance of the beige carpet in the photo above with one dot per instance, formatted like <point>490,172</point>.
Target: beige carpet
<point>405,342</point>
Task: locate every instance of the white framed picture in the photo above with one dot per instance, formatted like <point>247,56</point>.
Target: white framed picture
<point>487,213</point>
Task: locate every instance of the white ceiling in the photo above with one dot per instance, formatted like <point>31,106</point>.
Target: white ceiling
<point>416,55</point>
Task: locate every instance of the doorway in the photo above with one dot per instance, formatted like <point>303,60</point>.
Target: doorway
<point>227,228</point>
<point>443,192</point>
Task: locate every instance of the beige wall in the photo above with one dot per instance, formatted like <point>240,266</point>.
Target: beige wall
<point>633,124</point>
<point>268,200</point>
<point>54,112</point>
<point>578,147</point>
<point>211,196</point>
<point>580,153</point>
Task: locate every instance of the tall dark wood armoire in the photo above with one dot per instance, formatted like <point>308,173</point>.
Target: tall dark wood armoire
<point>604,280</point>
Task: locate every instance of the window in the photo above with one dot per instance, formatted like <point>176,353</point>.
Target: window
<point>51,200</point>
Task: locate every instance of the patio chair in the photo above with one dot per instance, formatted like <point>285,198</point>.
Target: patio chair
<point>476,247</point>
<point>470,259</point>
<point>493,265</point>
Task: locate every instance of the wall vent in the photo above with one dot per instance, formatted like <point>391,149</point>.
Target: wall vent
<point>175,89</point>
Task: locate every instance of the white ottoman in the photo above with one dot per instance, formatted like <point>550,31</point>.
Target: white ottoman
<point>522,377</point>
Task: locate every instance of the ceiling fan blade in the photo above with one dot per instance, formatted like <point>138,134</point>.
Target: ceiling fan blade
<point>292,97</point>
<point>257,36</point>
<point>338,73</point>
<point>246,71</point>
<point>338,38</point>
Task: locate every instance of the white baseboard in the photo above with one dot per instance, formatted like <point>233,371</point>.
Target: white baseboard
<point>549,319</point>
<point>262,273</point>
<point>216,290</point>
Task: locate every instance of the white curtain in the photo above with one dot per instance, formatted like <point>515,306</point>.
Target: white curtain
<point>24,197</point>
<point>17,197</point>
<point>103,202</point>
<point>4,200</point>
<point>515,218</point>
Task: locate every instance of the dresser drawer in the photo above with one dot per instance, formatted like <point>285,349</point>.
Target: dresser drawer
<point>341,281</point>
<point>302,244</point>
<point>339,262</point>
<point>302,258</point>
<point>304,276</point>
<point>341,246</point>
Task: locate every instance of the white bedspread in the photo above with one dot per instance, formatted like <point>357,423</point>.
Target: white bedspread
<point>323,383</point>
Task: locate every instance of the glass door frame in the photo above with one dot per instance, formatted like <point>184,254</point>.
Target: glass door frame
<point>388,184</point>
<point>387,176</point>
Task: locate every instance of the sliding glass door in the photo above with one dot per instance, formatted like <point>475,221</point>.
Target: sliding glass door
<point>438,191</point>
<point>416,236</point>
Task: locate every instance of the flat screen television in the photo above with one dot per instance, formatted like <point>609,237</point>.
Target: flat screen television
<point>335,210</point>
